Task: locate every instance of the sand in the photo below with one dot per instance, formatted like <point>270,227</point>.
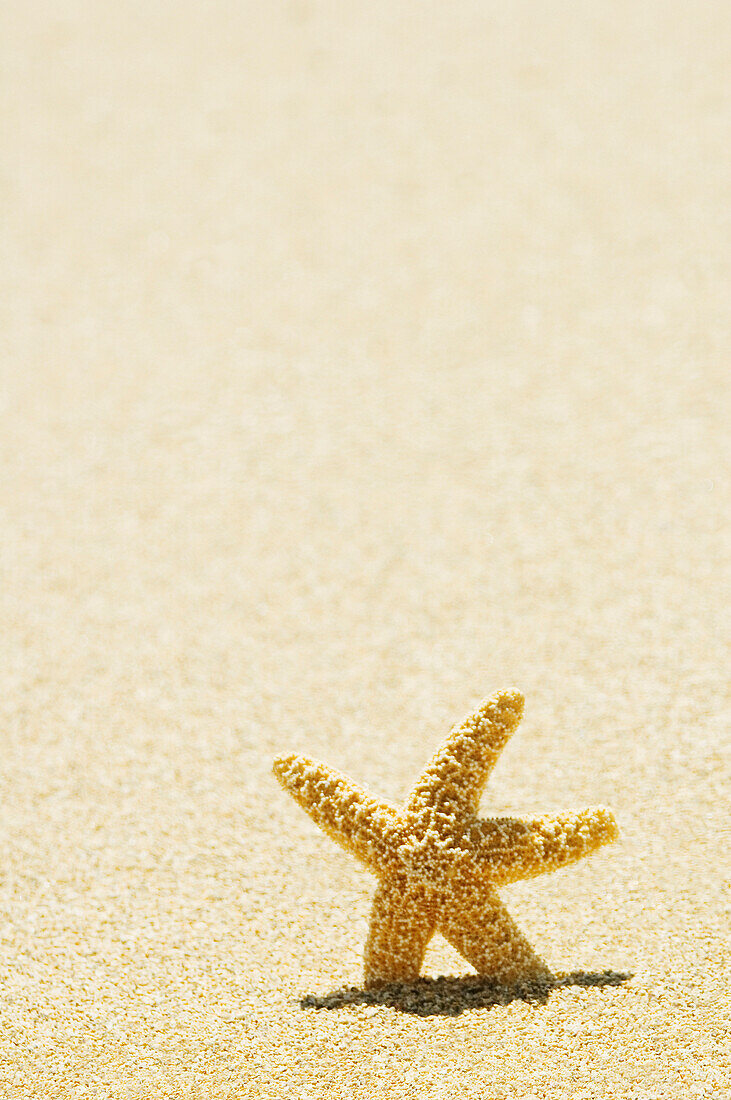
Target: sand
<point>359,360</point>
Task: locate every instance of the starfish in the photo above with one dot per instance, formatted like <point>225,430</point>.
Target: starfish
<point>437,863</point>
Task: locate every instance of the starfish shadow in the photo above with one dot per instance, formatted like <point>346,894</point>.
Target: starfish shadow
<point>449,996</point>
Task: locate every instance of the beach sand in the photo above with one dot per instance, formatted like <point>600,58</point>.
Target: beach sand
<point>359,360</point>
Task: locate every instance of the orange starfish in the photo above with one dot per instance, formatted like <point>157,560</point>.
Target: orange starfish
<point>438,864</point>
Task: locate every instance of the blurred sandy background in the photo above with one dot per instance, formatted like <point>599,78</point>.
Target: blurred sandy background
<point>358,360</point>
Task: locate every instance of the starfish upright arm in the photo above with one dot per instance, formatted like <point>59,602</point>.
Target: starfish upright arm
<point>351,817</point>
<point>507,849</point>
<point>452,782</point>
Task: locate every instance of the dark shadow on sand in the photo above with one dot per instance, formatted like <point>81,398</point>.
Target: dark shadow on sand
<point>453,996</point>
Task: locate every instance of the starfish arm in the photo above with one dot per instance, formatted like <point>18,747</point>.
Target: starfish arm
<point>481,929</point>
<point>507,849</point>
<point>451,784</point>
<point>343,810</point>
<point>403,918</point>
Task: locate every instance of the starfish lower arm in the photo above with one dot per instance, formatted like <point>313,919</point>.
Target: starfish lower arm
<point>403,920</point>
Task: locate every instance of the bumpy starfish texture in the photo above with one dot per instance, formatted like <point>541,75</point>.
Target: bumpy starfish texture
<point>438,864</point>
